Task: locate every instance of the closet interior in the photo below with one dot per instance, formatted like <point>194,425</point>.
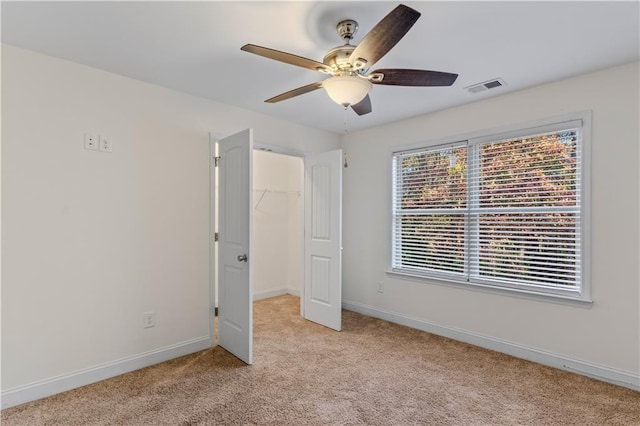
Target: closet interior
<point>278,224</point>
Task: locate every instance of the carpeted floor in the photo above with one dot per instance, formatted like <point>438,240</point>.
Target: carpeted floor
<point>371,373</point>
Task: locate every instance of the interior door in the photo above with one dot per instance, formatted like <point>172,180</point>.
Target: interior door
<point>323,239</point>
<point>235,288</point>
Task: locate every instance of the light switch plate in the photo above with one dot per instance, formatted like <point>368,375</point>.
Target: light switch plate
<point>106,145</point>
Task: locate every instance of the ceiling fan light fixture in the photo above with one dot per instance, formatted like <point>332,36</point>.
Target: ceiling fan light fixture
<point>347,89</point>
<point>349,65</point>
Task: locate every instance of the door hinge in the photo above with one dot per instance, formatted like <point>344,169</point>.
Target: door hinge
<point>215,236</point>
<point>216,160</point>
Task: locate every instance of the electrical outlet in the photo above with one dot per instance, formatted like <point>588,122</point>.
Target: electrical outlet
<point>90,142</point>
<point>380,287</point>
<point>106,145</point>
<point>148,319</point>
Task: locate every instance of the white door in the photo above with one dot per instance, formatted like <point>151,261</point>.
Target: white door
<point>235,309</point>
<point>323,239</point>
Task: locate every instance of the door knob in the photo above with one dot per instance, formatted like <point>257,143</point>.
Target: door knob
<point>242,258</point>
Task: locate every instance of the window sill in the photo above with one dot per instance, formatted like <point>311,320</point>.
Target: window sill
<point>504,291</point>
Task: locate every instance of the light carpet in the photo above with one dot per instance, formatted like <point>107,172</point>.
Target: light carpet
<point>372,373</point>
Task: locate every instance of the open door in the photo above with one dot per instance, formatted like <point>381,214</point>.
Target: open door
<point>235,288</point>
<point>323,239</point>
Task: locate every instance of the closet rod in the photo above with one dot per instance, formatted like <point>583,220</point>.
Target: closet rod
<point>273,191</point>
<point>277,191</point>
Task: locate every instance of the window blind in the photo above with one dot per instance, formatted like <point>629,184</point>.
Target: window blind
<point>495,211</point>
<point>429,204</point>
<point>525,211</point>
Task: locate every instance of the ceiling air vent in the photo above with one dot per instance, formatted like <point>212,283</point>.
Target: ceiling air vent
<point>486,85</point>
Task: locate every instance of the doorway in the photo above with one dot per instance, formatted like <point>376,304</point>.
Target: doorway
<point>286,263</point>
<point>278,224</point>
<point>277,218</point>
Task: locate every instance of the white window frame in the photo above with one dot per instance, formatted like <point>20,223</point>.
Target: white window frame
<point>583,120</point>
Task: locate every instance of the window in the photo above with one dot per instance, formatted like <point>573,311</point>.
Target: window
<point>502,211</point>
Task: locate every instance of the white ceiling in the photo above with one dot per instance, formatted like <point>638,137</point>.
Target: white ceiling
<point>194,47</point>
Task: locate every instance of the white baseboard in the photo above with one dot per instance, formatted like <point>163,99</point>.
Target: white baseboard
<point>41,389</point>
<point>259,295</point>
<point>606,374</point>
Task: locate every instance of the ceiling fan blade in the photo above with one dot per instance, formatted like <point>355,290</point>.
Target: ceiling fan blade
<point>295,92</point>
<point>363,107</point>
<point>285,57</point>
<point>404,77</point>
<point>386,34</point>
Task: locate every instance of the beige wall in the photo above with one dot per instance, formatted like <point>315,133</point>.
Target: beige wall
<point>92,240</point>
<point>606,334</point>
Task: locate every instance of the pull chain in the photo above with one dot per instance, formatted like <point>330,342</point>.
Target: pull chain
<point>345,134</point>
<point>344,118</point>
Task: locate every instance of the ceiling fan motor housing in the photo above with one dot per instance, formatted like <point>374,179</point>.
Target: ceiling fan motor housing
<point>338,58</point>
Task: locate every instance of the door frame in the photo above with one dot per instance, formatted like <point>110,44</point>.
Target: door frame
<point>213,255</point>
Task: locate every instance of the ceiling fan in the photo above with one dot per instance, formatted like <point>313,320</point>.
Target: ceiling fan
<point>349,65</point>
